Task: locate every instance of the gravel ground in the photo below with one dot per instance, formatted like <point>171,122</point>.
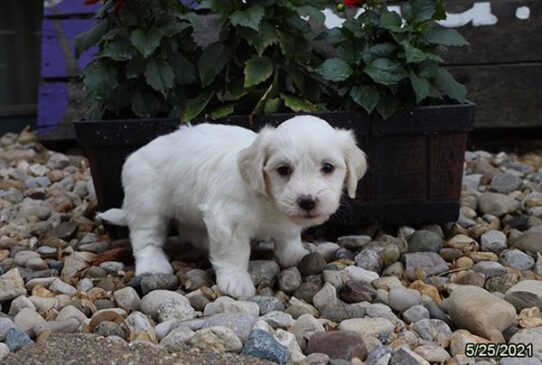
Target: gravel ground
<point>91,349</point>
<point>410,295</point>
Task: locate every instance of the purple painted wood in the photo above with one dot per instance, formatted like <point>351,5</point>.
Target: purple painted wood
<point>68,7</point>
<point>58,50</point>
<point>77,7</point>
<point>60,103</point>
<point>52,105</point>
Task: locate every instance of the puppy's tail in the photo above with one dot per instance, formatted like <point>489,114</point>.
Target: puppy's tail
<point>114,216</point>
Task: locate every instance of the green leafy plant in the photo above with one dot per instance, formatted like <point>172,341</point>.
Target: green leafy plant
<point>384,61</point>
<point>162,58</point>
<point>145,65</point>
<point>213,58</point>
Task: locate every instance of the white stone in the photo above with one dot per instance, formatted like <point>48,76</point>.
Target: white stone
<point>368,326</point>
<point>325,297</point>
<point>229,305</point>
<point>220,339</point>
<point>27,318</point>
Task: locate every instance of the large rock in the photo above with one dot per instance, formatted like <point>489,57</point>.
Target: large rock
<point>150,304</point>
<point>240,323</point>
<point>338,345</point>
<point>229,305</point>
<point>424,240</point>
<point>525,294</point>
<point>404,356</point>
<point>368,326</point>
<point>428,262</point>
<point>304,327</point>
<point>220,339</point>
<point>497,204</point>
<point>11,285</point>
<point>529,336</point>
<point>530,241</point>
<point>480,312</point>
<point>262,345</point>
<point>505,183</point>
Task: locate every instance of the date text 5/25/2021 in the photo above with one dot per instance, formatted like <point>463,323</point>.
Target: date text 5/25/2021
<point>499,350</point>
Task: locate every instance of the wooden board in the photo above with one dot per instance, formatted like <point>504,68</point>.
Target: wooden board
<point>507,96</point>
<point>57,8</point>
<point>509,40</point>
<point>59,103</point>
<point>58,49</point>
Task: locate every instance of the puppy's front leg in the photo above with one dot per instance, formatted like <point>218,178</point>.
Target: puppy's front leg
<point>230,255</point>
<point>289,249</point>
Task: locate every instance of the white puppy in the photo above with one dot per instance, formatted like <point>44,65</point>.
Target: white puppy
<point>226,185</point>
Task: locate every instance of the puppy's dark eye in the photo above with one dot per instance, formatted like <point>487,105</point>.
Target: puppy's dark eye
<point>327,168</point>
<point>284,170</point>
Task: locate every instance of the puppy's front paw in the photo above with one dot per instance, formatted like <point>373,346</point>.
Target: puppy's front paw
<point>235,283</point>
<point>292,256</point>
<point>154,266</point>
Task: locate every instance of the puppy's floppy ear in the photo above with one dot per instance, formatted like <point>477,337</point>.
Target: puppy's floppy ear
<point>251,161</point>
<point>356,162</point>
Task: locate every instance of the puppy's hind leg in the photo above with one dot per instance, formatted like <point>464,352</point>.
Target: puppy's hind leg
<point>148,235</point>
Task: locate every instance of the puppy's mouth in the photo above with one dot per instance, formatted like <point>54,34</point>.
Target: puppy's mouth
<point>309,218</point>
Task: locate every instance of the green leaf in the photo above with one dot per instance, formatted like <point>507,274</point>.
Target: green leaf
<point>445,37</point>
<point>428,69</point>
<point>388,105</point>
<point>335,69</point>
<point>119,49</point>
<point>391,20</point>
<point>173,28</point>
<point>272,105</point>
<point>250,17</point>
<point>146,42</point>
<point>257,69</point>
<point>449,86</point>
<point>144,104</point>
<point>263,38</point>
<point>185,71</point>
<point>222,111</point>
<point>350,52</point>
<point>385,71</point>
<point>418,11</point>
<point>100,79</point>
<point>421,87</point>
<point>365,95</point>
<point>195,106</point>
<point>159,76</point>
<point>413,54</point>
<point>440,12</point>
<point>382,50</point>
<point>297,104</point>
<point>212,61</point>
<point>90,38</point>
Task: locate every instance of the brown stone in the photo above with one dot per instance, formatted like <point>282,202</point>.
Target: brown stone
<point>343,345</point>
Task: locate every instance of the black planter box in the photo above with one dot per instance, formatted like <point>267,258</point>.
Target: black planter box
<point>415,159</point>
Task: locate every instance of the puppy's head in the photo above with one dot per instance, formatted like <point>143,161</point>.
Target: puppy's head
<point>302,167</point>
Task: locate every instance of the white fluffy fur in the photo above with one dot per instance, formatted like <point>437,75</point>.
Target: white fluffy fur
<point>221,184</point>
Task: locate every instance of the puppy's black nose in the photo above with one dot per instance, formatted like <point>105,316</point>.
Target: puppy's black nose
<point>306,202</point>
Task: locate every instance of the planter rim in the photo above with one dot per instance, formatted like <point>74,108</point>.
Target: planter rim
<point>447,106</point>
<point>419,121</point>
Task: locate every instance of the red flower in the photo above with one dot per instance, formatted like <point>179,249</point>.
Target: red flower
<point>352,3</point>
<point>118,3</point>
